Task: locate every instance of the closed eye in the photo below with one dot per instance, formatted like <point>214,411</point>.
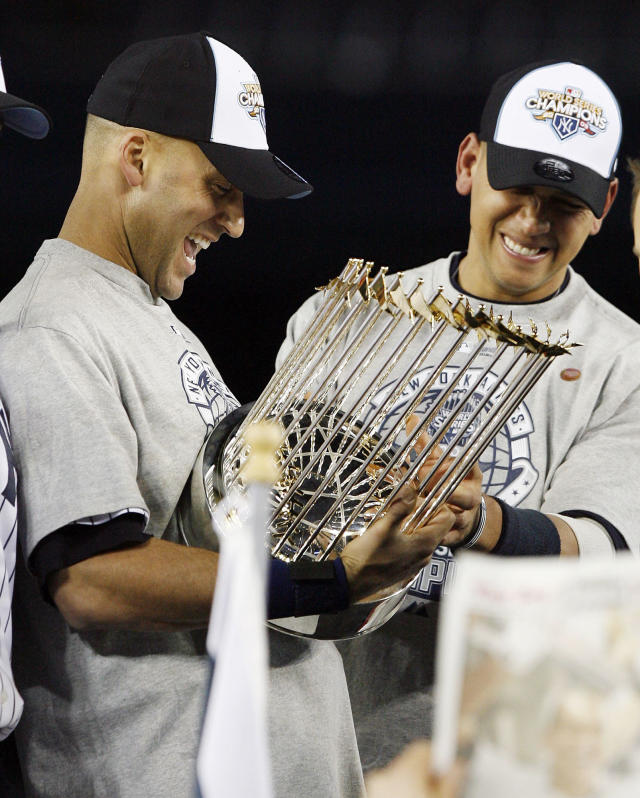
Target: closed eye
<point>569,208</point>
<point>219,189</point>
<point>214,185</point>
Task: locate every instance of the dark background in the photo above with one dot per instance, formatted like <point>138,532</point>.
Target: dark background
<point>368,100</point>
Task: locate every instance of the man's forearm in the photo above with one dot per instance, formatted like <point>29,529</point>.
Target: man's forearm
<point>158,585</point>
<point>150,586</point>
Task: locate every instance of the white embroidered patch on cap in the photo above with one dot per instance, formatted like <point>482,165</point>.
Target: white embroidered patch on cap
<point>251,99</point>
<point>238,115</point>
<point>3,86</point>
<point>564,110</point>
<point>567,111</point>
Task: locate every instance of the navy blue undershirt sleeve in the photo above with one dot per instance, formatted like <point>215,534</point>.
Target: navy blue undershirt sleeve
<point>76,542</point>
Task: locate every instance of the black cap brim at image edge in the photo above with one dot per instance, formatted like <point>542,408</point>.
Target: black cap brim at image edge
<point>509,167</point>
<point>24,117</point>
<point>258,173</point>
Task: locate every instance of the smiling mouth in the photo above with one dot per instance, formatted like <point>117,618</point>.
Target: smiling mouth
<point>518,249</point>
<point>192,245</point>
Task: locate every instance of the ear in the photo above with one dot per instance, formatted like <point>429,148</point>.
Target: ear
<point>133,152</point>
<point>611,195</point>
<point>468,158</point>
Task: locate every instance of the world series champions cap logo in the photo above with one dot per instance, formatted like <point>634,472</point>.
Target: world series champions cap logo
<point>568,111</point>
<point>555,111</point>
<point>251,99</point>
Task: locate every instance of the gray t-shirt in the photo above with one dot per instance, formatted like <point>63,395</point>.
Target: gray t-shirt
<point>570,445</point>
<point>110,397</point>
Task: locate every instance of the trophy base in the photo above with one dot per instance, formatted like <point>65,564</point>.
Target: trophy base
<point>356,620</point>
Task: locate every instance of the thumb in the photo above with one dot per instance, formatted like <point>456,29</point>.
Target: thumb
<point>403,503</point>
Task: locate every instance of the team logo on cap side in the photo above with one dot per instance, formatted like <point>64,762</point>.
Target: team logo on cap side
<point>567,111</point>
<point>251,99</point>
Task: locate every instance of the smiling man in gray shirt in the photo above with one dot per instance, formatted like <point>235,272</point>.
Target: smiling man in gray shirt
<point>111,398</point>
<point>560,477</point>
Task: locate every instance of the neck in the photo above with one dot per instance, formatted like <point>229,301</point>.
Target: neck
<point>94,223</point>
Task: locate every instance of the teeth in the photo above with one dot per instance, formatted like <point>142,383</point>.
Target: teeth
<point>203,243</point>
<point>519,248</point>
<point>199,242</point>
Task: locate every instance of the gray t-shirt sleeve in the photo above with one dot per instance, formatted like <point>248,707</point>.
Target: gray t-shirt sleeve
<point>602,468</point>
<point>76,450</point>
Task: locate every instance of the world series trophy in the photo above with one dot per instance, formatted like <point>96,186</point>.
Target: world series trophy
<point>371,355</point>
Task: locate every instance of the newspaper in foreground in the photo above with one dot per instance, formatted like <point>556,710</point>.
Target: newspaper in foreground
<point>538,677</point>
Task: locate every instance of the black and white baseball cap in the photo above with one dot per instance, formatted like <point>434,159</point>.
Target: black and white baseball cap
<point>195,87</point>
<point>553,124</point>
<point>24,117</point>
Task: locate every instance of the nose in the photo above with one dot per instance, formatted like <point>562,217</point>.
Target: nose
<point>232,216</point>
<point>533,215</point>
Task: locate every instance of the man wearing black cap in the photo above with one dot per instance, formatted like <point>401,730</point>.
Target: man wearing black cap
<point>561,476</point>
<point>31,121</point>
<point>20,115</point>
<point>111,398</point>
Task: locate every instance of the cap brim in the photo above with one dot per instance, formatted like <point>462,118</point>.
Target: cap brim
<point>24,117</point>
<point>508,167</point>
<point>258,173</point>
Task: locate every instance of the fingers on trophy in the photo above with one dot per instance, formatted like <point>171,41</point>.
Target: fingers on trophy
<point>387,386</point>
